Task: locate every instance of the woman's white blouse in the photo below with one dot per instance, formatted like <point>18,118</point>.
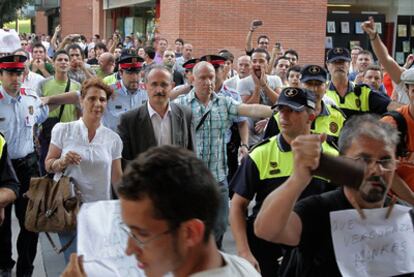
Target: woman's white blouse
<point>93,175</point>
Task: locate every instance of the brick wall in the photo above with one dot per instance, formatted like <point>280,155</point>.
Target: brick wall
<point>40,23</point>
<point>215,24</point>
<point>76,17</point>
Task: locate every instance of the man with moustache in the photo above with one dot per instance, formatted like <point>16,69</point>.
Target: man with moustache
<point>158,122</point>
<point>352,99</point>
<point>259,88</point>
<point>169,202</point>
<point>306,224</point>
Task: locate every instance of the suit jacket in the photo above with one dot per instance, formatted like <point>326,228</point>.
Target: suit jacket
<point>137,133</point>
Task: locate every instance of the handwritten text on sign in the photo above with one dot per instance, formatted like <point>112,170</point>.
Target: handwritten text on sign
<point>374,246</point>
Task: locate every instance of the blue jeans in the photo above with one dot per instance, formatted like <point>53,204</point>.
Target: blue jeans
<point>64,238</point>
<point>223,213</point>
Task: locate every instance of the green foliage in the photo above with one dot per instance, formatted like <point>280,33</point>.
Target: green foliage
<point>8,9</point>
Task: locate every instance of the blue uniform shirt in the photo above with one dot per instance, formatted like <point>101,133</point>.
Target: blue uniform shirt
<point>17,118</point>
<point>121,102</point>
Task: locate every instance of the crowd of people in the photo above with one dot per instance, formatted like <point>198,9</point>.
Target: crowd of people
<point>186,143</point>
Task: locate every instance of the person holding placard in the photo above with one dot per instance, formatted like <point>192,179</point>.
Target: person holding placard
<point>307,224</point>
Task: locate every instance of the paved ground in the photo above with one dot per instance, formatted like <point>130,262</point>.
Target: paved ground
<point>49,264</point>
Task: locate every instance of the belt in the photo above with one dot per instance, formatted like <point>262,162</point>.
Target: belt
<point>26,158</point>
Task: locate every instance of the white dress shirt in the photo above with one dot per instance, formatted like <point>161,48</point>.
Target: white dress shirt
<point>161,125</point>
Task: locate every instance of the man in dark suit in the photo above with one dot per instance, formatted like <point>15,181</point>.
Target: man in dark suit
<point>158,122</point>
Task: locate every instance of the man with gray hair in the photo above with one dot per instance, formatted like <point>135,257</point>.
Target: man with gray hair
<point>365,140</point>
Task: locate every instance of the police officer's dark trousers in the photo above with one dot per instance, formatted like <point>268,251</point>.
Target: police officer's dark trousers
<point>25,168</point>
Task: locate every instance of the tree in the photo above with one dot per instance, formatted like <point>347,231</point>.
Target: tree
<point>8,9</point>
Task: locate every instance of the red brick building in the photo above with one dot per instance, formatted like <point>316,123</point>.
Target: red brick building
<point>209,25</point>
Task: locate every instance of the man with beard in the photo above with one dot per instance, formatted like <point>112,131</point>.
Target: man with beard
<point>169,62</point>
<point>79,70</point>
<point>306,224</point>
<point>352,99</point>
<point>159,122</point>
<point>259,88</point>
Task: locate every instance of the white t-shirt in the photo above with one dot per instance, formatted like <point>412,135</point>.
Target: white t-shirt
<point>93,175</point>
<point>246,87</point>
<point>402,96</point>
<point>232,82</point>
<point>234,267</point>
<point>32,81</point>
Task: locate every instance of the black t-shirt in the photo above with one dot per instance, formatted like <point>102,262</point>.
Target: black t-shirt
<point>315,256</point>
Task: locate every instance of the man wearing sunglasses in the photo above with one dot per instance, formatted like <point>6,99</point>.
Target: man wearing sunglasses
<point>306,224</point>
<point>169,203</point>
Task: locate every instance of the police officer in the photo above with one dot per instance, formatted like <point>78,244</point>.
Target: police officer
<point>20,110</point>
<point>9,185</point>
<point>238,134</point>
<point>129,92</point>
<point>352,99</point>
<point>266,167</point>
<point>189,78</point>
<point>329,118</point>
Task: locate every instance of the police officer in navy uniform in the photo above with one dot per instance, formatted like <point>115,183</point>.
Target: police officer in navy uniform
<point>20,110</point>
<point>329,118</point>
<point>353,99</point>
<point>129,92</point>
<point>266,167</point>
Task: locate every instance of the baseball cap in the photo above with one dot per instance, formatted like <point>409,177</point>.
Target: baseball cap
<point>338,53</point>
<point>313,72</point>
<point>296,98</point>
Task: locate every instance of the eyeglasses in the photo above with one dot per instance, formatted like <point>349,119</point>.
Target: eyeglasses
<point>384,164</point>
<point>141,244</point>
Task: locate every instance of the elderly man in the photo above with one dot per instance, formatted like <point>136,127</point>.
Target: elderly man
<point>158,122</point>
<point>306,224</point>
<point>212,117</point>
<point>244,67</point>
<point>352,99</point>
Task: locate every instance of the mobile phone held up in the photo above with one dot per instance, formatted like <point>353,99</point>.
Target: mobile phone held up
<point>257,23</point>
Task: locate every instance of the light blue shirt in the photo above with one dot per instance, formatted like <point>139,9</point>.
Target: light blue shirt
<point>120,102</point>
<point>17,117</point>
<point>210,137</point>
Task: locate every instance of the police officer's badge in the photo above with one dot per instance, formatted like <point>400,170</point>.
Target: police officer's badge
<point>314,69</point>
<point>291,92</point>
<point>31,110</point>
<point>273,164</point>
<point>338,50</point>
<point>333,127</point>
<point>134,60</point>
<point>16,59</point>
<point>208,58</point>
<point>358,103</point>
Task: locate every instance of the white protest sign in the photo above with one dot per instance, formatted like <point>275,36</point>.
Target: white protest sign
<point>102,242</point>
<point>374,246</point>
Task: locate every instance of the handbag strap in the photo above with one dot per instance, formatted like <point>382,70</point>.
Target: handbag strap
<point>64,247</point>
<point>62,107</point>
<point>202,120</point>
